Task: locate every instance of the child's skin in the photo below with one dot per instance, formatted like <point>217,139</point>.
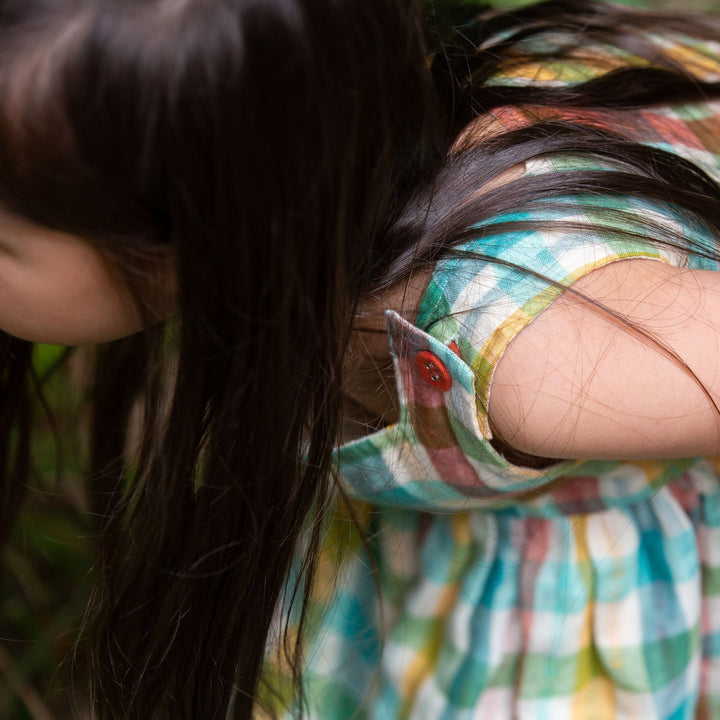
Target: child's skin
<point>578,383</point>
<point>57,288</point>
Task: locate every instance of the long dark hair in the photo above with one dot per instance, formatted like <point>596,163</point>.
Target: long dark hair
<point>266,143</point>
<point>292,156</point>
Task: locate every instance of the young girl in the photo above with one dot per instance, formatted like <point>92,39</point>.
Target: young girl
<point>496,267</point>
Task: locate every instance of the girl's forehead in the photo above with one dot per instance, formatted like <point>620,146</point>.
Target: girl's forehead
<point>57,288</point>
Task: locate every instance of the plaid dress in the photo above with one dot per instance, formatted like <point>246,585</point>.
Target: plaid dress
<point>456,585</point>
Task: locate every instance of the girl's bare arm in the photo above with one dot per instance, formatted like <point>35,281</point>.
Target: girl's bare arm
<point>579,382</point>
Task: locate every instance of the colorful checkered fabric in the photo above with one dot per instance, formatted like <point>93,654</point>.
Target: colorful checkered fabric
<point>487,590</point>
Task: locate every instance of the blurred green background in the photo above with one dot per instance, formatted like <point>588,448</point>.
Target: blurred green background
<point>48,563</point>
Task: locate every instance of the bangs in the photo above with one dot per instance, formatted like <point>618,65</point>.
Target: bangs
<point>63,163</point>
<point>69,159</point>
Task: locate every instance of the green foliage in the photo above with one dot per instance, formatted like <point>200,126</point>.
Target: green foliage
<point>46,578</point>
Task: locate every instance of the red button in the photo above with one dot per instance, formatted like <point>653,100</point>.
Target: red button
<point>433,371</point>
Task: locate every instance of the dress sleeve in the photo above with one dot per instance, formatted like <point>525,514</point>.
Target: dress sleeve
<point>500,281</point>
<point>440,455</point>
